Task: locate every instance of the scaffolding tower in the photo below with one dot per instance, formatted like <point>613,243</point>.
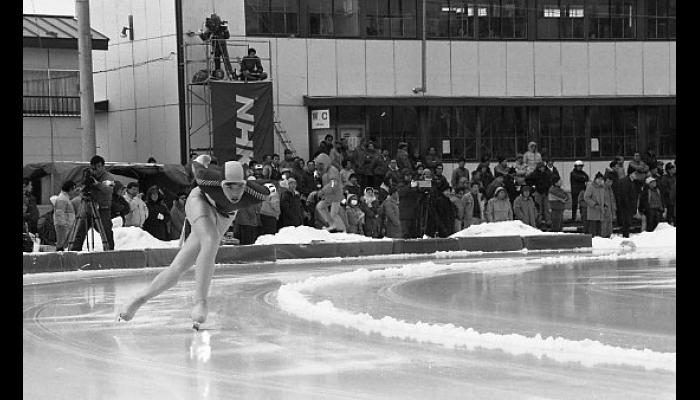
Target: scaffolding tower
<point>200,57</point>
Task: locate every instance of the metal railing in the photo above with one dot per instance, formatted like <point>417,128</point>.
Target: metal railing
<point>50,106</point>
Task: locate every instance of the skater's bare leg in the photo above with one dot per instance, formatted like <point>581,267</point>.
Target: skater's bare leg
<point>183,261</point>
<point>209,238</point>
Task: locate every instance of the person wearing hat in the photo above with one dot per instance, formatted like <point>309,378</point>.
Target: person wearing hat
<point>460,172</point>
<point>557,203</point>
<point>355,216</point>
<point>498,207</point>
<point>578,178</point>
<point>651,203</point>
<point>210,209</point>
<point>524,207</point>
<point>331,194</point>
<point>532,157</point>
<point>291,206</point>
<point>403,161</point>
<point>370,206</point>
<point>596,204</point>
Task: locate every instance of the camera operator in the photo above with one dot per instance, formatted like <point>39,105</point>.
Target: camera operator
<point>98,187</point>
<point>217,31</point>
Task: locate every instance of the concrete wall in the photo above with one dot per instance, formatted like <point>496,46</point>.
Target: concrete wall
<point>37,139</point>
<point>139,79</point>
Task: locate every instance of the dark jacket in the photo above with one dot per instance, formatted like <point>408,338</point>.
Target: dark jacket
<point>441,215</point>
<point>645,203</point>
<point>46,229</point>
<point>409,199</point>
<point>578,180</point>
<point>403,160</point>
<point>292,212</point>
<point>158,228</point>
<point>120,207</point>
<point>627,196</point>
<point>102,193</point>
<point>251,64</point>
<point>542,180</point>
<point>667,184</point>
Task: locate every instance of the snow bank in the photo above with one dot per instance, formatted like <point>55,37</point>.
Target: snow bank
<point>663,236</point>
<point>587,352</point>
<point>130,238</point>
<point>306,234</point>
<point>503,228</point>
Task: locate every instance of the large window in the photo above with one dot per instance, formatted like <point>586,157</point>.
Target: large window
<point>51,92</point>
<point>611,19</point>
<point>339,18</point>
<point>661,130</point>
<point>661,19</point>
<point>563,132</point>
<point>616,130</point>
<point>390,18</point>
<point>438,14</point>
<point>275,17</point>
<point>563,19</point>
<point>503,131</point>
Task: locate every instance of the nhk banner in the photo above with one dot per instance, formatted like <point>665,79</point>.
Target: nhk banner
<point>242,120</point>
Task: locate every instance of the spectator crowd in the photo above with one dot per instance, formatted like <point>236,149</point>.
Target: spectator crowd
<point>368,192</point>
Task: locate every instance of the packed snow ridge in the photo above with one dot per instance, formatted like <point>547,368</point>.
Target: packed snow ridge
<point>306,234</point>
<point>292,299</point>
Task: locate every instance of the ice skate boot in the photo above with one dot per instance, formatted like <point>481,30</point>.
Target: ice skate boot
<point>199,314</point>
<point>126,313</point>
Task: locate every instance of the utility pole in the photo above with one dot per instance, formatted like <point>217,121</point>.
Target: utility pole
<point>87,94</point>
<point>424,53</point>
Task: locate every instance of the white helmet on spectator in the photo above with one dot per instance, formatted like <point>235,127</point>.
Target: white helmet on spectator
<point>578,162</point>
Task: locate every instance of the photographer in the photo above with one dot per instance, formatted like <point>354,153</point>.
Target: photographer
<point>98,187</point>
<point>217,32</point>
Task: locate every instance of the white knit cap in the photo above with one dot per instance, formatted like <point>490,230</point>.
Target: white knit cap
<point>233,172</point>
<point>578,162</point>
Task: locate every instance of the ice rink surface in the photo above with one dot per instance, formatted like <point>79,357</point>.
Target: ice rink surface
<point>253,349</point>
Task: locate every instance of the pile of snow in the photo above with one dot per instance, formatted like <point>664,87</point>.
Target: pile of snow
<point>306,234</point>
<point>130,238</point>
<point>292,298</point>
<point>663,236</point>
<point>503,228</point>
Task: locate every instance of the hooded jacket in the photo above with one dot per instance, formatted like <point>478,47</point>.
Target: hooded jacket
<point>524,210</point>
<point>157,227</point>
<point>578,180</point>
<point>499,210</point>
<point>596,202</point>
<point>392,223</point>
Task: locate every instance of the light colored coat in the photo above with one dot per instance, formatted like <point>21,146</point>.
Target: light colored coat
<point>392,223</point>
<point>498,210</point>
<point>469,209</point>
<point>595,201</point>
<point>64,213</point>
<point>524,210</point>
<point>138,211</point>
<point>531,160</point>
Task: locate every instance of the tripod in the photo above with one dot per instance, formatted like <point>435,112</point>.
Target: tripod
<point>87,206</point>
<point>219,50</point>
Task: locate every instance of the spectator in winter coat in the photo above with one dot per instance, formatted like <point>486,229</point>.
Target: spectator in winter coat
<point>667,185</point>
<point>371,207</point>
<point>45,227</point>
<point>390,211</point>
<point>491,188</point>
<point>308,179</point>
<point>441,212</point>
<point>291,206</point>
<point>120,207</point>
<point>649,158</point>
<point>459,173</point>
<point>524,207</point>
<point>532,157</point>
<point>606,228</point>
<point>638,168</point>
<point>346,172</point>
<point>541,179</point>
<point>393,175</point>
<point>416,158</point>
<point>651,204</point>
<point>355,216</point>
<point>501,168</point>
<point>457,199</point>
<point>270,211</point>
<point>325,146</point>
<point>158,214</point>
<point>337,155</point>
<point>177,216</point>
<point>64,214</point>
<point>353,187</point>
<point>402,159</point>
<point>289,161</point>
<point>432,159</point>
<point>509,185</point>
<point>486,175</point>
<point>138,211</point>
<point>248,222</point>
<point>584,208</point>
<point>597,206</point>
<point>439,177</point>
<point>31,214</point>
<point>552,169</point>
<point>498,208</point>
<point>520,170</point>
<point>409,200</point>
<point>365,166</point>
<point>380,167</point>
<point>475,207</point>
<point>557,201</point>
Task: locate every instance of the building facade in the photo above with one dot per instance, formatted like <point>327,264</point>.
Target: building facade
<point>51,88</point>
<point>585,79</point>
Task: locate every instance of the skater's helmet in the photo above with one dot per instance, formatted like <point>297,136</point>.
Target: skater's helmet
<point>233,172</point>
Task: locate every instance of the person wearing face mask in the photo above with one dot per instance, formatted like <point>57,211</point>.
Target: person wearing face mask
<point>210,209</point>
<point>355,216</point>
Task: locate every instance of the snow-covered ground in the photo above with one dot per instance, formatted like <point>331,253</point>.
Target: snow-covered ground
<point>306,234</point>
<point>503,228</point>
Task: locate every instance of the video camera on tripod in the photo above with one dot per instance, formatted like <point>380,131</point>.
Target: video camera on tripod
<point>216,31</point>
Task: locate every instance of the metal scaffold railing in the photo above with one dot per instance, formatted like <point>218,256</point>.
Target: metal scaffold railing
<point>199,65</point>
